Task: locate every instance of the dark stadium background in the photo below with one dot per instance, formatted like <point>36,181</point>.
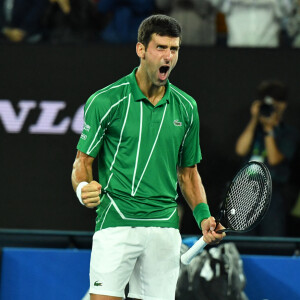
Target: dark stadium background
<point>35,169</point>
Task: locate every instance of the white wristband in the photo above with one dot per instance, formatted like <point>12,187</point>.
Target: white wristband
<point>78,190</point>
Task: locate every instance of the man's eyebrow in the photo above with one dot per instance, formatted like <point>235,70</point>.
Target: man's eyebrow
<point>161,45</point>
<point>166,46</point>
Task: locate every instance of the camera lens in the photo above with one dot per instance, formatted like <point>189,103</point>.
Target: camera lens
<point>266,110</point>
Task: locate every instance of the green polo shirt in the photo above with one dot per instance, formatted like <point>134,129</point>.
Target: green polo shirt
<point>139,147</point>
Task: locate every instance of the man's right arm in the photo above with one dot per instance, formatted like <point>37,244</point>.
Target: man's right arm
<point>83,172</point>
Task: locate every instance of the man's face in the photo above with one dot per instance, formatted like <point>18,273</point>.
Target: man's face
<point>279,107</point>
<point>160,58</point>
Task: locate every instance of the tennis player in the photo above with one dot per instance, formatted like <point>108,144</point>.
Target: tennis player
<point>145,133</point>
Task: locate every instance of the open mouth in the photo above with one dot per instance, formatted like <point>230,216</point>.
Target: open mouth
<point>163,72</point>
<point>164,69</point>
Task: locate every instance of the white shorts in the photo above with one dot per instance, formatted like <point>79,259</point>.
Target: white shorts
<point>146,257</point>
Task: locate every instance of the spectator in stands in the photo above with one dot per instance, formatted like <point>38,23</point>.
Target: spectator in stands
<point>20,20</point>
<point>197,17</point>
<point>69,21</point>
<point>267,138</point>
<point>254,23</point>
<point>126,16</point>
<point>293,25</point>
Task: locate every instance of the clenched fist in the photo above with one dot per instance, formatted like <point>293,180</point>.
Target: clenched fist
<point>209,229</point>
<point>90,194</point>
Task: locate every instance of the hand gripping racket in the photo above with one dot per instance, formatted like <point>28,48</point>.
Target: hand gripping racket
<point>247,201</point>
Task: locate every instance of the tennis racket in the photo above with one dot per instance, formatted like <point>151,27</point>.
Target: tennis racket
<point>247,201</point>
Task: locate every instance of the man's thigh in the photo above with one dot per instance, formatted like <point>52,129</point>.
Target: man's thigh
<point>114,255</point>
<point>156,271</point>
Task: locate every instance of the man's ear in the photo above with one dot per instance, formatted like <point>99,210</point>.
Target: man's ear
<point>140,50</point>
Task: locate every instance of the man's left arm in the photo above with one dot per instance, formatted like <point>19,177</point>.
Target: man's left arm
<point>274,155</point>
<point>194,193</point>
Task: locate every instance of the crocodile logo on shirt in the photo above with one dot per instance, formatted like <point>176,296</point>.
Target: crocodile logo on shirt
<point>177,123</point>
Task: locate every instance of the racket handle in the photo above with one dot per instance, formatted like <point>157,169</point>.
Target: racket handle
<point>187,257</point>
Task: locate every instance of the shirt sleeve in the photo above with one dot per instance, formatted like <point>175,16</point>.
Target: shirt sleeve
<point>190,152</point>
<point>97,114</point>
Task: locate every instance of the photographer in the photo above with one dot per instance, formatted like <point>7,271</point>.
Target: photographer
<point>268,139</point>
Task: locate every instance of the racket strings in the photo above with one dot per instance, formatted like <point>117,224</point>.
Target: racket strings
<point>250,191</point>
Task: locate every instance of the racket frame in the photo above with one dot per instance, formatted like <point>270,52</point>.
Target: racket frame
<point>222,215</point>
<point>187,257</point>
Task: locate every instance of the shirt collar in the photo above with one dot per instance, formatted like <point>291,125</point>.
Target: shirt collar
<point>138,94</point>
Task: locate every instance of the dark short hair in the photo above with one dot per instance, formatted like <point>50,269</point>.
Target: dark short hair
<point>160,24</point>
<point>272,88</point>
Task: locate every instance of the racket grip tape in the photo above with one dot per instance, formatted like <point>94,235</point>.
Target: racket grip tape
<point>187,257</point>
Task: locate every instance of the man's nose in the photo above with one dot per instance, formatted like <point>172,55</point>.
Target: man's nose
<point>168,54</point>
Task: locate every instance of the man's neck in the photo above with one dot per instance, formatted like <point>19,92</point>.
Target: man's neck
<point>153,93</point>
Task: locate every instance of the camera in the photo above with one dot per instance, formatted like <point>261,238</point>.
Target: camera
<point>267,108</point>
